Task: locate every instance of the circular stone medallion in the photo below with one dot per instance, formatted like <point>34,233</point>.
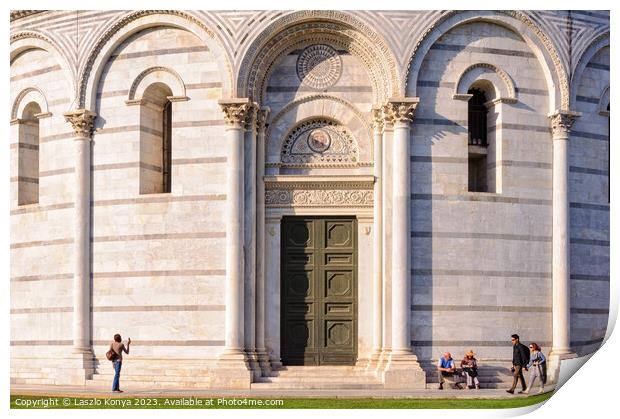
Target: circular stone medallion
<point>319,140</point>
<point>319,66</point>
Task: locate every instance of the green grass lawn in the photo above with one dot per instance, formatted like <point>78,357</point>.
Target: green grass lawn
<point>55,402</point>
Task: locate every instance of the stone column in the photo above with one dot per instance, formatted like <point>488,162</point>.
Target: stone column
<point>82,122</point>
<point>561,123</point>
<point>272,283</point>
<point>233,358</point>
<point>403,369</point>
<point>377,295</point>
<point>386,239</point>
<point>261,351</point>
<point>250,238</point>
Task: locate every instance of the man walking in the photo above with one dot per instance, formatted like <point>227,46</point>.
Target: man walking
<point>520,359</point>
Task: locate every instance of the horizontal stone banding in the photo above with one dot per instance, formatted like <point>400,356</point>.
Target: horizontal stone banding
<point>38,243</point>
<point>472,272</point>
<point>157,52</point>
<point>584,277</point>
<point>483,50</point>
<point>42,208</point>
<point>159,199</point>
<point>487,236</point>
<point>469,343</point>
<point>114,309</point>
<point>162,236</point>
<point>49,277</point>
<point>36,73</point>
<point>137,274</point>
<point>107,342</point>
<point>589,242</point>
<point>485,308</point>
<point>481,198</point>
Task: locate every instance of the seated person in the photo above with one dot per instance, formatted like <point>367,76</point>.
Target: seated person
<point>446,371</point>
<point>469,364</point>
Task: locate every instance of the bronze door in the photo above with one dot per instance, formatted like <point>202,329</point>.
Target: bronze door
<point>319,291</point>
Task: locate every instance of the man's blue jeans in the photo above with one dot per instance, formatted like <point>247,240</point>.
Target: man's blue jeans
<point>117,375</point>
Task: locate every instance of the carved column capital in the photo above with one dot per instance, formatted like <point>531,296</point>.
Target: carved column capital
<point>377,119</point>
<point>401,109</point>
<point>82,121</point>
<point>250,117</point>
<point>235,111</point>
<point>562,122</point>
<point>261,118</point>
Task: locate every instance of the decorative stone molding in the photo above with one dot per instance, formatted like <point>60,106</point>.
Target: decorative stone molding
<point>177,87</point>
<point>505,91</point>
<point>250,122</point>
<point>320,96</point>
<point>372,49</point>
<point>18,14</point>
<point>562,122</point>
<point>319,66</point>
<point>235,110</point>
<point>320,191</point>
<point>548,45</point>
<point>82,121</point>
<point>30,94</point>
<point>319,140</point>
<point>85,74</point>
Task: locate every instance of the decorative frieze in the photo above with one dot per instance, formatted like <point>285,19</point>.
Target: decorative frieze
<point>294,191</point>
<point>82,121</point>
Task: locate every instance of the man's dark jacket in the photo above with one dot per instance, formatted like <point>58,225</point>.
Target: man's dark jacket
<point>520,354</point>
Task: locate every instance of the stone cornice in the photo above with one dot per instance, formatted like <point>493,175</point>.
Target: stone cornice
<point>82,121</point>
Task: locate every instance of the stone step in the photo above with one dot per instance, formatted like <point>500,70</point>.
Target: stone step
<point>330,385</point>
<point>152,378</point>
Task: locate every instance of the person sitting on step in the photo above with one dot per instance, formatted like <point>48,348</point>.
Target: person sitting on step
<point>446,371</point>
<point>469,364</point>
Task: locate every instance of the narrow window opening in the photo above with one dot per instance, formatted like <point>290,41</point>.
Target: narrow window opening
<point>167,147</point>
<point>156,140</point>
<point>28,156</point>
<point>477,141</point>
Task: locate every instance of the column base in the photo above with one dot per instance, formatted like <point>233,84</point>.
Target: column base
<point>403,371</point>
<point>232,370</point>
<point>76,368</point>
<point>554,360</point>
<point>253,365</point>
<point>263,362</point>
<point>373,361</point>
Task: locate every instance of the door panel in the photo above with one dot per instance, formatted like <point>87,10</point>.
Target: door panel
<point>319,291</point>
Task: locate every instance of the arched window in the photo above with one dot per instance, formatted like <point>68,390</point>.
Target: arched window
<point>156,140</point>
<point>477,141</point>
<point>28,156</point>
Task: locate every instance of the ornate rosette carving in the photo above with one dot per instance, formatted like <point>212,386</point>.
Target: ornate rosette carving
<point>82,121</point>
<point>319,66</point>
